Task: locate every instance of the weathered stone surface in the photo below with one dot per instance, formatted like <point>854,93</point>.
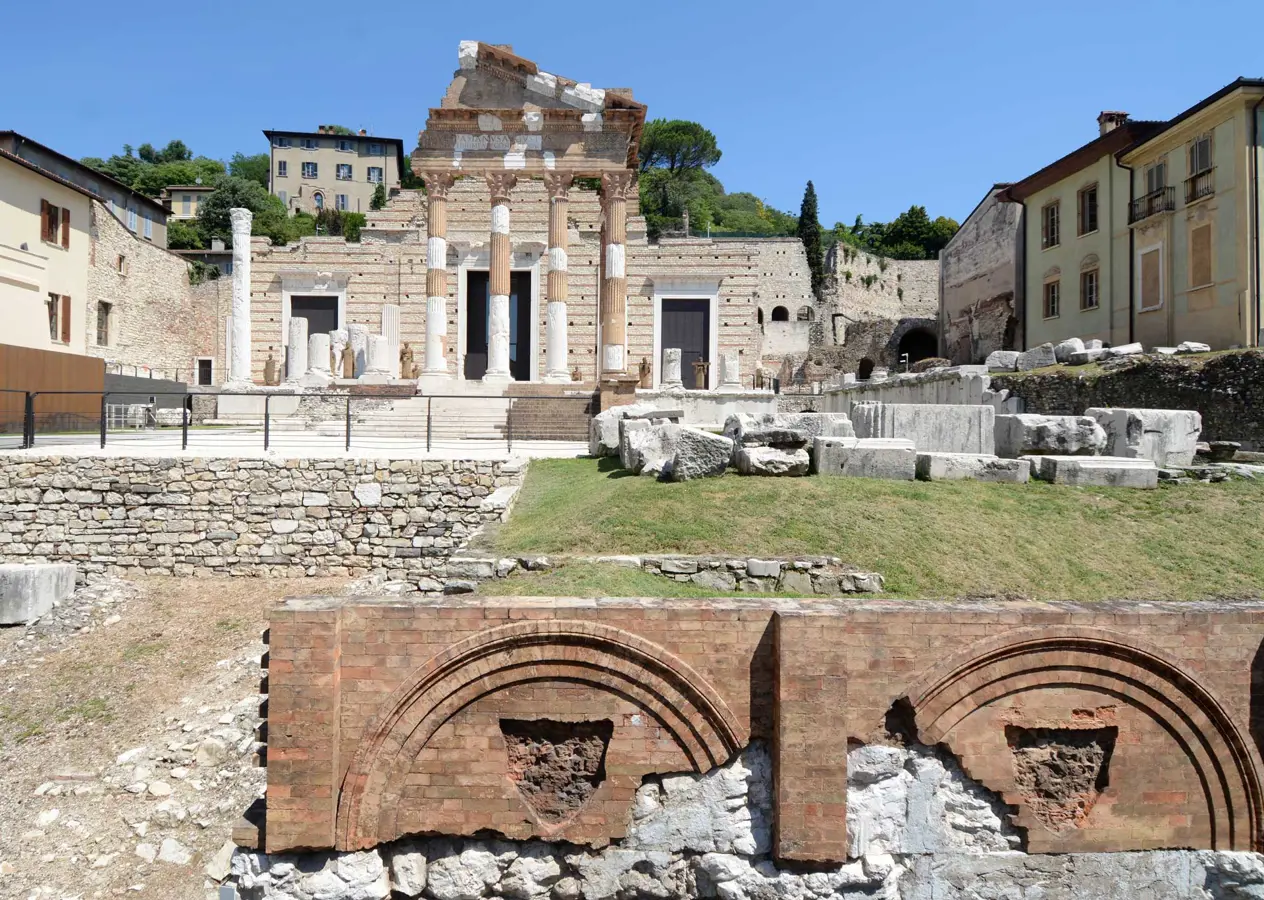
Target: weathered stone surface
<point>1002,361</point>
<point>865,458</point>
<point>29,590</point>
<point>408,869</point>
<point>699,454</point>
<point>1124,350</point>
<point>603,430</point>
<point>1022,435</point>
<point>556,766</point>
<point>1036,358</point>
<point>646,448</point>
<point>1167,436</point>
<point>818,424</point>
<point>1083,357</point>
<point>946,428</point>
<point>1097,471</point>
<point>973,467</point>
<point>1062,352</point>
<point>1193,347</point>
<point>772,461</point>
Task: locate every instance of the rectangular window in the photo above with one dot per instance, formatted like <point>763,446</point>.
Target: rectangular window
<point>1156,177</point>
<point>283,168</point>
<point>103,324</point>
<point>283,142</point>
<point>340,201</point>
<point>375,149</point>
<point>54,315</point>
<point>1088,289</point>
<point>309,170</point>
<point>309,143</point>
<point>375,174</point>
<point>1053,291</point>
<point>205,371</point>
<point>186,205</point>
<point>1200,273</point>
<point>54,224</point>
<point>1151,279</point>
<point>284,198</point>
<point>1088,210</point>
<point>1200,155</point>
<point>345,146</point>
<point>343,172</point>
<point>1049,226</point>
<point>131,220</point>
<point>149,228</point>
<point>122,264</point>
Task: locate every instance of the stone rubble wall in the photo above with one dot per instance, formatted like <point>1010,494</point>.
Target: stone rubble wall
<point>897,289</point>
<point>920,829</point>
<point>128,516</point>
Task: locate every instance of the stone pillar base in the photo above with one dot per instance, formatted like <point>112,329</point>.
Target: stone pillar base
<point>557,378</point>
<point>434,383</point>
<point>616,390</point>
<point>497,378</point>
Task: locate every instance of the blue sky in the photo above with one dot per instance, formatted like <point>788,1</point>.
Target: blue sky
<point>881,104</point>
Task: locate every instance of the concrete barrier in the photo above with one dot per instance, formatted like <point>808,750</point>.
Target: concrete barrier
<point>29,590</point>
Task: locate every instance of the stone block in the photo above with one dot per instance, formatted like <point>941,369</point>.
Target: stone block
<point>1169,437</point>
<point>972,467</point>
<point>699,454</point>
<point>763,568</point>
<point>603,430</point>
<point>1193,347</point>
<point>1124,350</point>
<point>627,428</point>
<point>1036,358</point>
<point>818,424</point>
<point>1094,344</point>
<point>1083,357</point>
<point>1002,361</point>
<point>865,458</point>
<point>648,449</point>
<point>1095,471</point>
<point>1062,352</point>
<point>29,591</point>
<point>942,428</point>
<point>772,461</point>
<point>1021,435</point>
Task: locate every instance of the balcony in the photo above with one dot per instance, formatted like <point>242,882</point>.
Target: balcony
<point>1160,201</point>
<point>1201,185</point>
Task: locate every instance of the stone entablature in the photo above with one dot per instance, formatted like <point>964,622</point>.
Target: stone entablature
<point>387,718</point>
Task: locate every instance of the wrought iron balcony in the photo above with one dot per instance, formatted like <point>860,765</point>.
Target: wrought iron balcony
<point>1160,201</point>
<point>1201,185</point>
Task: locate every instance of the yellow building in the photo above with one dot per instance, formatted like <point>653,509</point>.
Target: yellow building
<point>311,170</point>
<point>183,200</point>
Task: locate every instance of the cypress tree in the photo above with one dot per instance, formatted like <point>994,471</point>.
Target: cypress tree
<point>810,234</point>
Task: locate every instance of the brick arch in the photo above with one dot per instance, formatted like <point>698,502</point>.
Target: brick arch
<point>599,656</point>
<point>1143,677</point>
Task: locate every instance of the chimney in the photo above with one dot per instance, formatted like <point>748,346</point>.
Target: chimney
<point>1109,120</point>
<point>363,133</point>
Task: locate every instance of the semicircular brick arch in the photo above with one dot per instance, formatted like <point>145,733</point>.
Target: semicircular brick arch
<point>998,670</point>
<point>600,656</point>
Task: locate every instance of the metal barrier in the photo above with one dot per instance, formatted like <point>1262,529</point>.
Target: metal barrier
<point>301,423</point>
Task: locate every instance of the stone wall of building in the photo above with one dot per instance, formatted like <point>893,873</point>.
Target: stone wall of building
<point>979,271</point>
<point>1227,389</point>
<point>867,286</point>
<point>193,516</point>
<point>157,320</point>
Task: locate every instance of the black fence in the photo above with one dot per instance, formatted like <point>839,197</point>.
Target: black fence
<point>301,423</point>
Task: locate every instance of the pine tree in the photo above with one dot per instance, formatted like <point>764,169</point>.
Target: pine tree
<point>379,197</point>
<point>810,234</point>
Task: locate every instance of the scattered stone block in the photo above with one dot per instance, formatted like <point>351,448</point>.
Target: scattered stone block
<point>699,454</point>
<point>943,428</point>
<point>1062,352</point>
<point>972,467</point>
<point>763,568</point>
<point>603,430</point>
<point>1002,361</point>
<point>865,458</point>
<point>1036,358</point>
<point>815,424</point>
<point>1124,350</point>
<point>1094,344</point>
<point>1021,435</point>
<point>1084,357</point>
<point>1193,347</point>
<point>773,461</point>
<point>29,591</point>
<point>1222,451</point>
<point>1169,437</point>
<point>1095,471</point>
<point>648,450</point>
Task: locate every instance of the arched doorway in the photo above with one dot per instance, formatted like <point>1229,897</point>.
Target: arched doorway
<point>865,372</point>
<point>780,314</point>
<point>919,344</point>
<point>805,314</point>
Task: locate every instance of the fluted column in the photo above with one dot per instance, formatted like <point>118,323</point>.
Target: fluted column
<point>437,184</point>
<point>558,185</point>
<point>499,185</point>
<point>615,187</point>
<point>239,365</point>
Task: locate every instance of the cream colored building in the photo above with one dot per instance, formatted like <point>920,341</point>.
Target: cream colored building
<point>183,200</point>
<point>1194,219</point>
<point>310,170</point>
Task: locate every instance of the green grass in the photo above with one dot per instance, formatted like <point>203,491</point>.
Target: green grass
<point>929,540</point>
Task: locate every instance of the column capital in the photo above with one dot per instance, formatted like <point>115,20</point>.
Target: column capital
<point>617,185</point>
<point>558,184</point>
<point>438,184</point>
<point>500,184</point>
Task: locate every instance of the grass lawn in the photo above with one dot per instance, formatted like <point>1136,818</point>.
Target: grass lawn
<point>932,540</point>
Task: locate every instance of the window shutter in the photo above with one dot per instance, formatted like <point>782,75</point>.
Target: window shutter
<point>43,220</point>
<point>65,228</point>
<point>65,320</point>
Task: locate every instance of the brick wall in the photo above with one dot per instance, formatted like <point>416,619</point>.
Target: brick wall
<point>189,516</point>
<point>387,718</point>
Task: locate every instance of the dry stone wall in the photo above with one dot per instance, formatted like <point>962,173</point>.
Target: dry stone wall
<point>274,517</point>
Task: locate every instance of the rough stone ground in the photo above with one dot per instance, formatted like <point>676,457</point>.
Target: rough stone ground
<point>127,736</point>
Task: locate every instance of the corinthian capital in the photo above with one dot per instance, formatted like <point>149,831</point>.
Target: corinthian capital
<point>617,185</point>
<point>558,184</point>
<point>438,184</point>
<point>500,184</point>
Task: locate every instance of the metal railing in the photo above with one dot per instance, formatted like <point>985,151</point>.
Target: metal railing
<point>1160,201</point>
<point>299,423</point>
<point>1201,185</point>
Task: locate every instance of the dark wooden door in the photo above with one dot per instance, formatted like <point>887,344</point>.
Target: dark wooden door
<point>477,301</point>
<point>687,325</point>
<point>321,313</point>
<point>520,325</point>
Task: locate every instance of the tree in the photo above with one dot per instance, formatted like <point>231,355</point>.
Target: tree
<point>214,220</point>
<point>340,129</point>
<point>810,235</point>
<point>677,145</point>
<point>252,168</point>
<point>379,197</point>
<point>152,170</point>
<point>183,235</point>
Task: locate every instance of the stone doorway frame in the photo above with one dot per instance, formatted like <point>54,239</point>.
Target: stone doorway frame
<point>669,289</point>
<point>311,284</point>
